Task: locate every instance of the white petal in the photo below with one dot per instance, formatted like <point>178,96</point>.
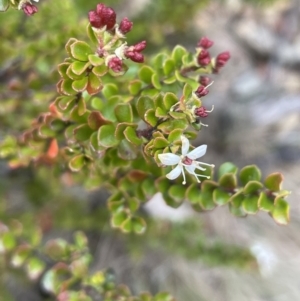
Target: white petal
<point>185,145</point>
<point>197,152</point>
<point>175,172</point>
<point>169,159</point>
<point>190,169</point>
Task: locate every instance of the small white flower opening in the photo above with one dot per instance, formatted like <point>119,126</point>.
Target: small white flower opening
<point>185,161</point>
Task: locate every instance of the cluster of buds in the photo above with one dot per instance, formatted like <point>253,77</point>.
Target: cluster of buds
<point>28,8</point>
<point>204,58</point>
<point>103,22</point>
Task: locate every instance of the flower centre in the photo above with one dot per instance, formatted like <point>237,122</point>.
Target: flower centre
<point>187,161</point>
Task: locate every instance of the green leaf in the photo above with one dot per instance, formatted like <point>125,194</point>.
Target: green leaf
<point>130,135</point>
<point>4,4</point>
<point>79,67</point>
<point>170,125</point>
<point>281,212</point>
<point>118,218</point>
<point>252,186</point>
<point>70,42</point>
<point>119,133</point>
<point>110,90</point>
<point>177,115</point>
<point>221,197</point>
<point>80,84</point>
<point>237,198</point>
<point>20,255</point>
<point>96,120</point>
<point>62,69</point>
<point>77,162</point>
<point>250,204</point>
<point>156,81</point>
<point>138,225</point>
<point>162,296</point>
<point>160,142</point>
<point>175,135</point>
<point>94,84</point>
<point>80,51</point>
<point>187,91</point>
<point>225,168</point>
<point>273,181</point>
<point>145,74</point>
<point>35,268</point>
<point>150,117</point>
<point>265,203</point>
<point>95,60</point>
<point>162,184</point>
<point>7,241</point>
<point>127,151</point>
<point>169,67</point>
<point>100,70</point>
<point>206,200</point>
<point>82,132</point>
<point>106,136</point>
<point>177,54</point>
<point>127,225</point>
<point>97,103</point>
<point>123,112</point>
<point>177,192</point>
<point>80,239</point>
<point>250,173</point>
<point>134,87</point>
<point>170,99</point>
<point>237,211</point>
<point>228,181</point>
<point>66,87</point>
<point>148,187</point>
<point>193,193</point>
<point>91,34</point>
<point>144,104</point>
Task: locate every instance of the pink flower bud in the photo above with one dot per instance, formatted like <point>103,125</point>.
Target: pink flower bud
<point>94,19</point>
<point>115,64</point>
<point>108,16</point>
<point>140,46</point>
<point>222,59</point>
<point>135,56</point>
<point>201,112</point>
<point>201,91</point>
<point>204,80</point>
<point>29,9</point>
<point>102,16</point>
<point>203,58</point>
<point>125,26</point>
<point>205,43</point>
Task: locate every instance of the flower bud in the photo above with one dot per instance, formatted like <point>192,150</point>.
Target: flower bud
<point>205,43</point>
<point>140,46</point>
<point>204,80</point>
<point>115,64</point>
<point>222,59</point>
<point>201,91</point>
<point>201,112</point>
<point>29,9</point>
<point>135,56</point>
<point>94,19</point>
<point>203,58</point>
<point>125,26</point>
<point>108,16</point>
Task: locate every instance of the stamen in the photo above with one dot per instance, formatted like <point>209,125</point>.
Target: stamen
<point>209,85</point>
<point>212,108</point>
<point>184,179</point>
<point>203,124</point>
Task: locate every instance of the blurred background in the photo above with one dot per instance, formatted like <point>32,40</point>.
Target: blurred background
<point>209,256</point>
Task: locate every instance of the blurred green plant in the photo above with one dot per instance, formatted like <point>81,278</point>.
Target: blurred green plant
<point>118,126</point>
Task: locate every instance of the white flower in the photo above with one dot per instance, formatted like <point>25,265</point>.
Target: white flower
<point>185,160</point>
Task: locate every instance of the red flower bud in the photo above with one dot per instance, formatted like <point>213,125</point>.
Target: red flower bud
<point>201,112</point>
<point>205,43</point>
<point>222,59</point>
<point>94,19</point>
<point>102,16</point>
<point>29,9</point>
<point>115,64</point>
<point>108,16</point>
<point>203,58</point>
<point>201,91</point>
<point>135,56</point>
<point>125,26</point>
<point>204,80</point>
<point>140,46</point>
